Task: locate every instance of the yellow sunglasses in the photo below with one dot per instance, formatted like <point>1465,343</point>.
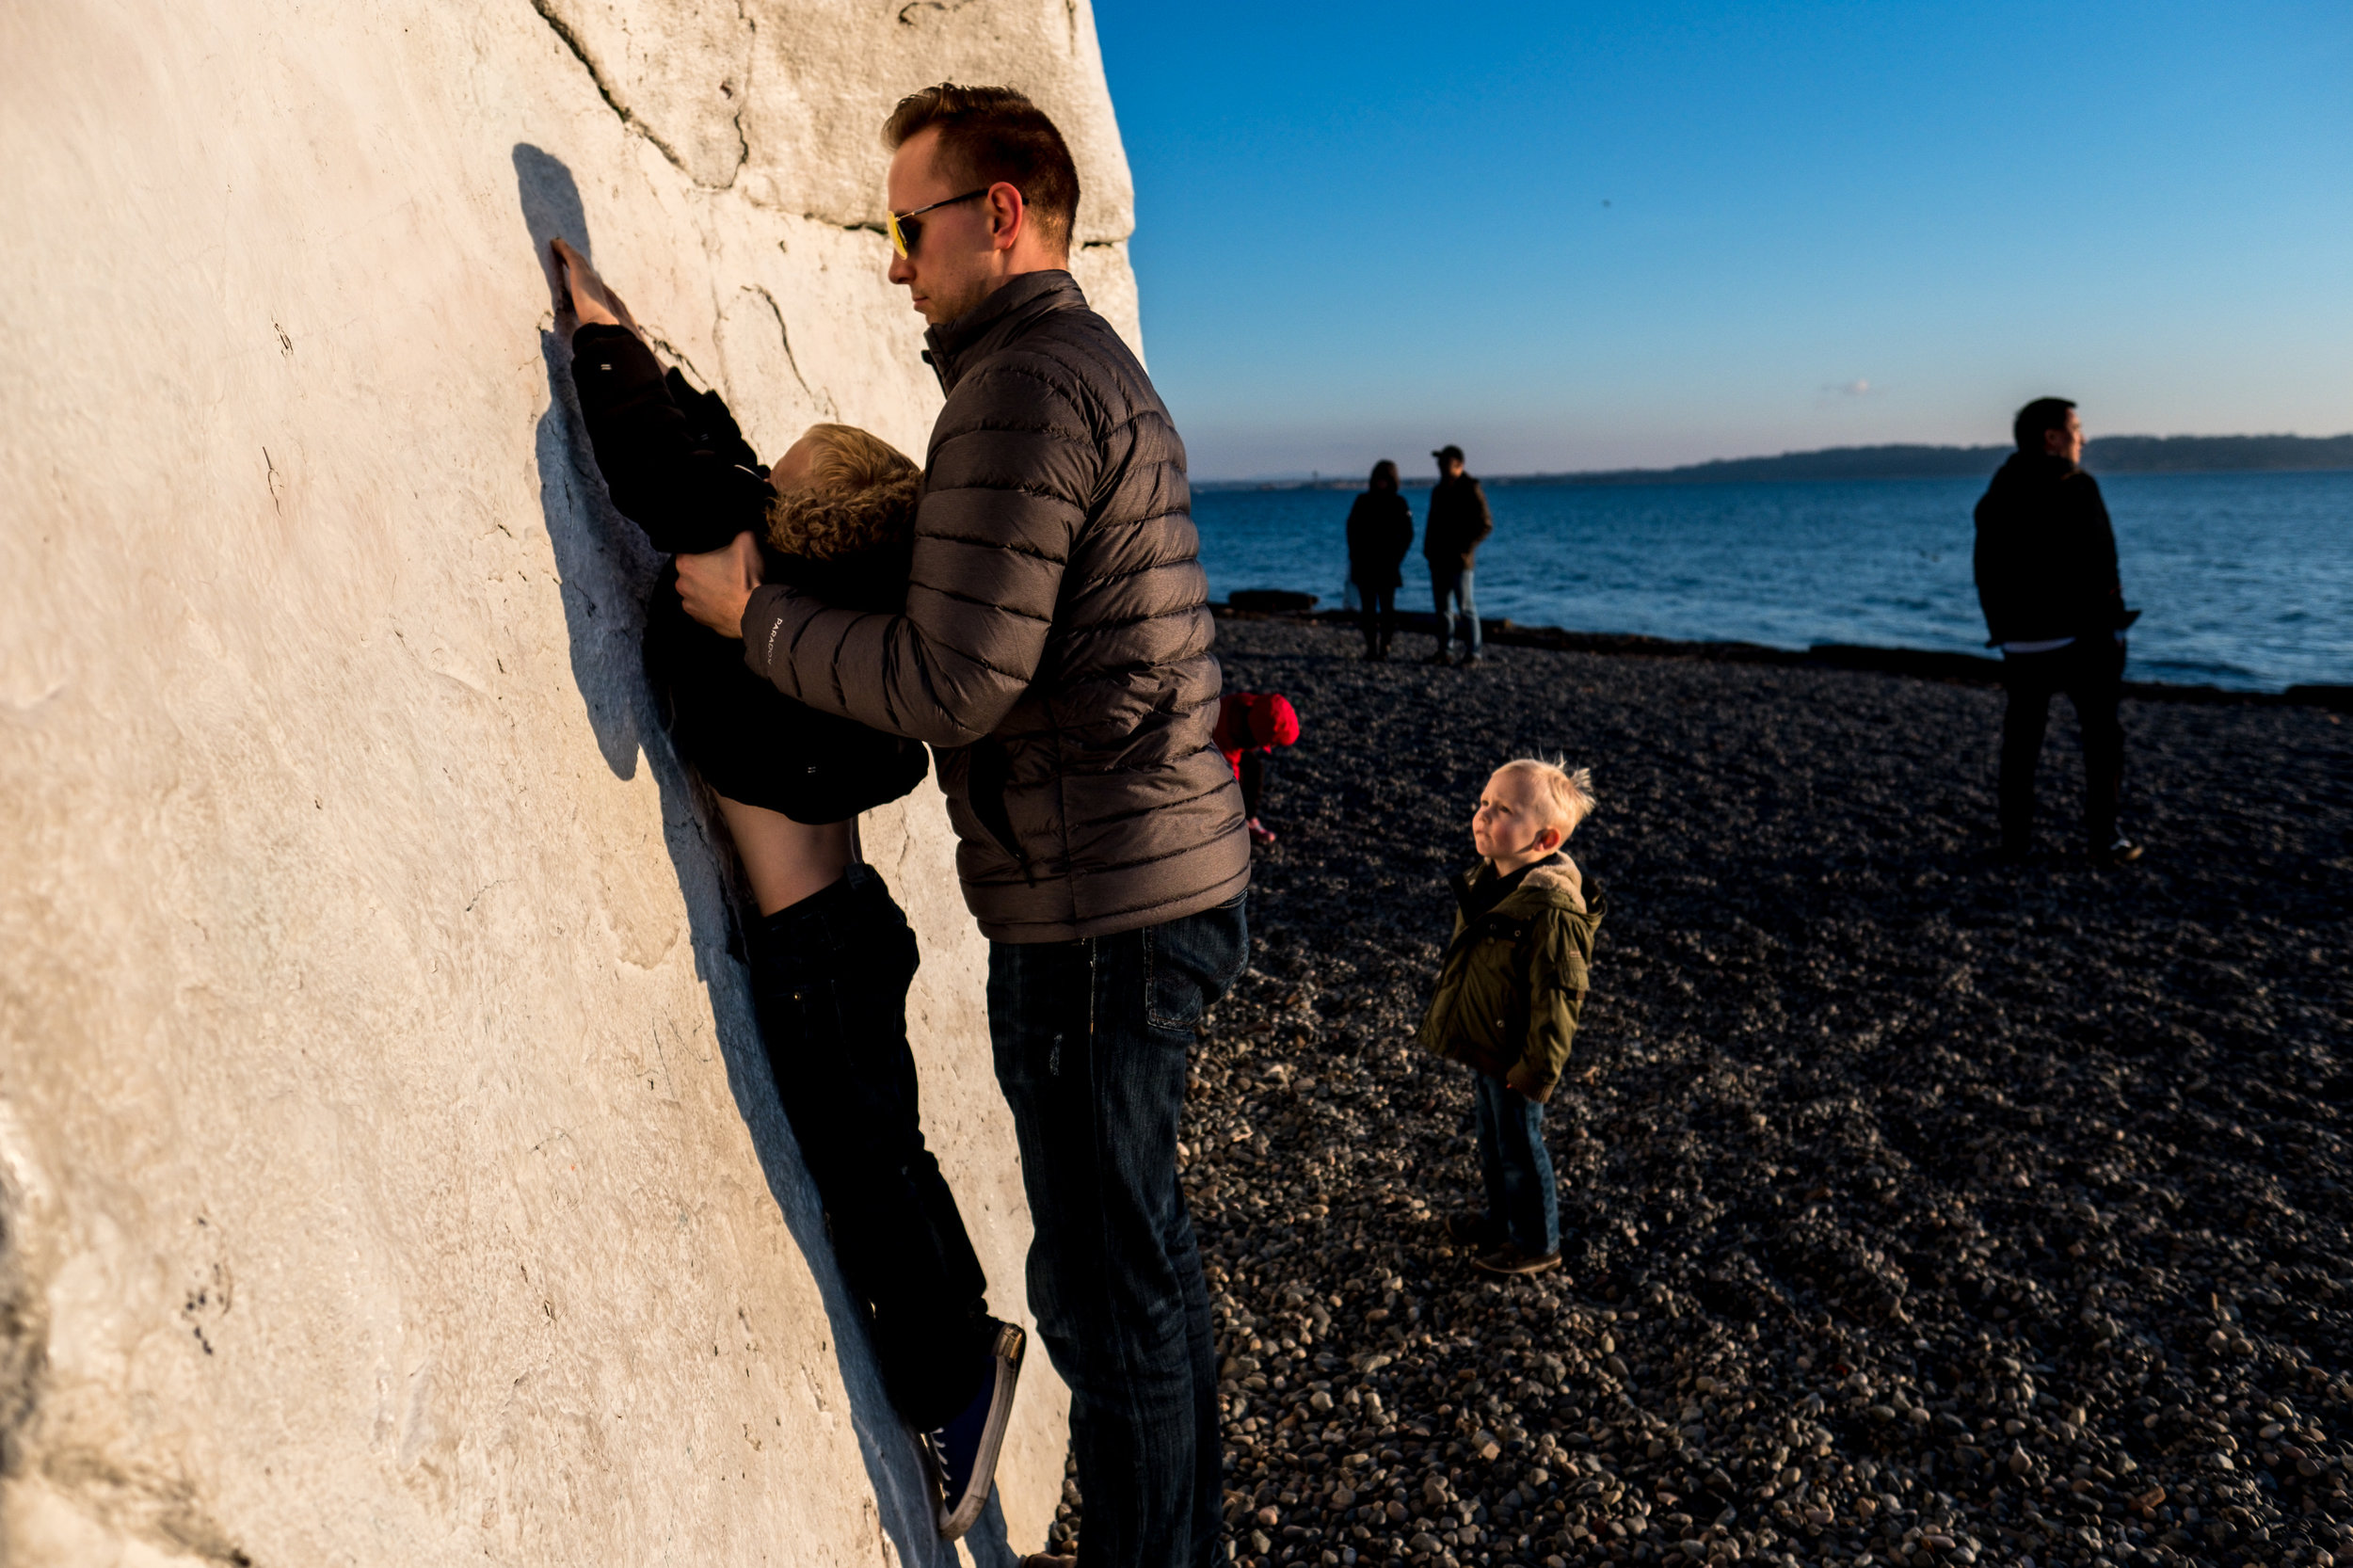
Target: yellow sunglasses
<point>905,233</point>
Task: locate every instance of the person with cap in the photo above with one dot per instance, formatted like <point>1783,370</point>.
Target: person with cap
<point>1250,725</point>
<point>1451,536</point>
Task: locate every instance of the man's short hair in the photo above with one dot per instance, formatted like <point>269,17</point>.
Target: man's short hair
<point>1565,795</point>
<point>1448,453</point>
<point>992,134</point>
<point>2044,414</point>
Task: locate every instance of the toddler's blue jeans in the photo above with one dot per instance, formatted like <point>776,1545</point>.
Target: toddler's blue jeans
<point>1091,1040</point>
<point>1521,1195</point>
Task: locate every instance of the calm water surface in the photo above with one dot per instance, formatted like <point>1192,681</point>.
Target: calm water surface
<point>2245,580</point>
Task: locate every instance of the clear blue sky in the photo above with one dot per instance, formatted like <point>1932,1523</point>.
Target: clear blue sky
<point>1583,236</point>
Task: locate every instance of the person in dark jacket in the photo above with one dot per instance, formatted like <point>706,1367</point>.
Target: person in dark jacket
<point>1380,531</point>
<point>1054,650</point>
<point>1451,536</point>
<point>831,954</point>
<point>2054,606</point>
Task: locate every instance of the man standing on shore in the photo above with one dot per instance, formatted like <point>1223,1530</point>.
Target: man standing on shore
<point>1055,653</point>
<point>2054,606</point>
<point>1457,521</point>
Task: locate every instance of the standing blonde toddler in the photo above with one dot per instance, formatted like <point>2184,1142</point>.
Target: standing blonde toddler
<point>1510,985</point>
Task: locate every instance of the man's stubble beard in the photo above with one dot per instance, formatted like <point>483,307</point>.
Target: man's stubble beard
<point>947,308</point>
<point>977,293</point>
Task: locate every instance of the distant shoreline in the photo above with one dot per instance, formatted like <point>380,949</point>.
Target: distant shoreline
<point>1913,663</point>
<point>2107,454</point>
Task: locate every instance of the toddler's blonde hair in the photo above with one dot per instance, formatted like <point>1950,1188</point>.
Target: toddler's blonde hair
<point>1567,796</point>
<point>861,494</point>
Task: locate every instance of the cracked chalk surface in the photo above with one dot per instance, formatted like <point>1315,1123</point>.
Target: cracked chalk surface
<point>389,1170</point>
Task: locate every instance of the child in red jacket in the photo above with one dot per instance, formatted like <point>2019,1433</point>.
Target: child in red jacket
<point>1250,725</point>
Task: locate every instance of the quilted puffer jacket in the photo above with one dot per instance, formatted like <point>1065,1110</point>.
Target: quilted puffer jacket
<point>1054,649</point>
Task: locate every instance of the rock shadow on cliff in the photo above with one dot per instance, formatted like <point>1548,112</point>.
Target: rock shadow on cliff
<point>607,568</point>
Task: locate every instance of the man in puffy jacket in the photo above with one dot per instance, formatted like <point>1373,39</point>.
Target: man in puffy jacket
<point>1055,653</point>
<point>1457,521</point>
<point>2054,605</point>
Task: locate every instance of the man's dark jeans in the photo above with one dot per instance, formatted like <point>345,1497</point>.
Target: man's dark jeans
<point>829,978</point>
<point>2091,671</point>
<point>1451,591</point>
<point>1091,1040</point>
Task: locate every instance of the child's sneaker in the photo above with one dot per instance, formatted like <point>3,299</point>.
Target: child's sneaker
<point>1508,1259</point>
<point>963,1454</point>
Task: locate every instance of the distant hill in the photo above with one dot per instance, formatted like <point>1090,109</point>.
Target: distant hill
<point>2107,455</point>
<point>2217,453</point>
<point>1837,462</point>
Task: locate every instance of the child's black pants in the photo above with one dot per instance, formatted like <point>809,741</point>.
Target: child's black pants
<point>829,978</point>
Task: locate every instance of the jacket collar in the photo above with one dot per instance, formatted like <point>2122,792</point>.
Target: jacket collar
<point>955,345</point>
<point>1552,880</point>
<point>2043,467</point>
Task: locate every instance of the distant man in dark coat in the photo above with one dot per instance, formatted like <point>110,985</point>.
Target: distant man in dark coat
<point>1457,521</point>
<point>1380,531</point>
<point>2054,605</point>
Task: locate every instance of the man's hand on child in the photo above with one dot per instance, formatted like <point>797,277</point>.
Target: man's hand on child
<point>717,585</point>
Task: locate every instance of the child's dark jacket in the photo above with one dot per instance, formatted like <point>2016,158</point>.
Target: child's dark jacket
<point>1514,979</point>
<point>676,467</point>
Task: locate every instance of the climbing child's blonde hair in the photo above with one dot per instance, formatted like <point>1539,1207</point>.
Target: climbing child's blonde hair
<point>861,494</point>
<point>1567,796</point>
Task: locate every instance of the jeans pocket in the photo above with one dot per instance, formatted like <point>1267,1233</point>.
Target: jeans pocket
<point>1189,963</point>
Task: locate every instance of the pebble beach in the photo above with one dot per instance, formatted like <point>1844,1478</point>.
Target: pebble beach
<point>1916,1209</point>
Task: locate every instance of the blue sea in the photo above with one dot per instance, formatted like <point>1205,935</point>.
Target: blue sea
<point>2245,580</point>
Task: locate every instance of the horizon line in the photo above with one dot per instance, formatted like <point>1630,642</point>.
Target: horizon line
<point>1316,476</point>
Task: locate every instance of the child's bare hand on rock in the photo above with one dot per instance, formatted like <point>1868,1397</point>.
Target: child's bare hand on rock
<point>592,299</point>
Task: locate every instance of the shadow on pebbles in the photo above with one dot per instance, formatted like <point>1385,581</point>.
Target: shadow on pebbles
<point>1917,1209</point>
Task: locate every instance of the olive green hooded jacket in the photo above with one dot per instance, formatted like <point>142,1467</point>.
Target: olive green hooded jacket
<point>1513,981</point>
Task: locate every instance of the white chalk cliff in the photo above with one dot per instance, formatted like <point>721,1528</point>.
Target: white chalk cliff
<point>389,1173</point>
